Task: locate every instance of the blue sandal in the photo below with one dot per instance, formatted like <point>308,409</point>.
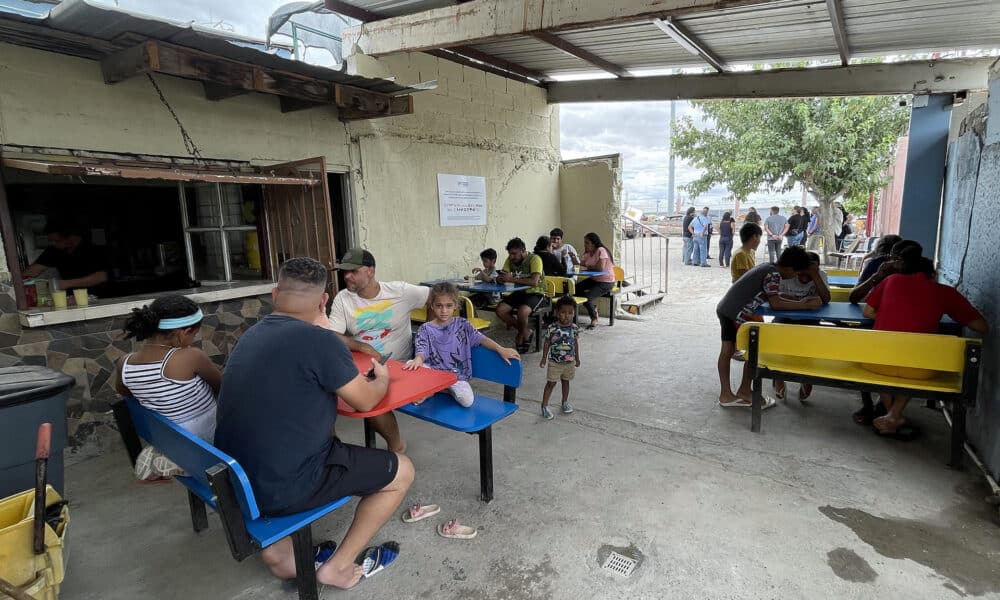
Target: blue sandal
<point>376,558</point>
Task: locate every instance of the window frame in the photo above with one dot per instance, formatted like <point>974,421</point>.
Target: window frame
<point>222,229</point>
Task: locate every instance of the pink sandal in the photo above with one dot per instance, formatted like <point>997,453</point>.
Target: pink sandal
<point>455,530</point>
<point>419,512</point>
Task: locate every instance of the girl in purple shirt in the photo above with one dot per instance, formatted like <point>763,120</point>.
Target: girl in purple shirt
<point>445,342</point>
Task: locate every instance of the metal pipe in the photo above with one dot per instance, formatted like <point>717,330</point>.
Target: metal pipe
<point>994,488</point>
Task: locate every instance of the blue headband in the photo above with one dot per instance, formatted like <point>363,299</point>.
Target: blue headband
<point>179,322</point>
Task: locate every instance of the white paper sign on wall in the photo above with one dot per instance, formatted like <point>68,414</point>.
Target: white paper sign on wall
<point>462,200</point>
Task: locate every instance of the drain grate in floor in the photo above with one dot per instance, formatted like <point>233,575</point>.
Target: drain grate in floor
<point>620,564</point>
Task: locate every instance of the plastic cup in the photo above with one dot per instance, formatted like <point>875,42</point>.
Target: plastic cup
<point>59,298</point>
<point>80,295</point>
<point>576,268</point>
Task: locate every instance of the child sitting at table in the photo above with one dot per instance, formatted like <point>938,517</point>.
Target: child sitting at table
<point>445,342</point>
<point>745,258</point>
<point>562,351</point>
<point>807,284</point>
<point>912,301</point>
<point>488,274</point>
<point>758,285</point>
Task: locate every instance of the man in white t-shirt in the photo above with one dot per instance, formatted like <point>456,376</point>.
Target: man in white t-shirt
<point>374,317</point>
<point>566,252</point>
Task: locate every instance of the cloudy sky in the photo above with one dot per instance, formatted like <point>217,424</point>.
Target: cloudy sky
<point>639,131</point>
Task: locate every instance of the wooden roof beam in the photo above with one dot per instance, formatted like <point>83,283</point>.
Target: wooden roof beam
<point>218,73</point>
<point>482,21</point>
<point>839,30</point>
<point>578,52</point>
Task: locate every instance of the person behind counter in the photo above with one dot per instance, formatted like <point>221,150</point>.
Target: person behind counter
<point>80,263</point>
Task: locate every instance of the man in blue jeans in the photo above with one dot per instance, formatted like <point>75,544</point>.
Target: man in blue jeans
<point>686,235</point>
<point>699,228</point>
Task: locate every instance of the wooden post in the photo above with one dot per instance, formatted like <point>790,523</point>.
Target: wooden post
<point>10,247</point>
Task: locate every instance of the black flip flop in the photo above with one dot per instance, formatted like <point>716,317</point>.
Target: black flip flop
<point>905,433</point>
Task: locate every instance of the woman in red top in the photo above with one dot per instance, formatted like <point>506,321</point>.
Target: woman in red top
<point>596,257</point>
<point>912,301</point>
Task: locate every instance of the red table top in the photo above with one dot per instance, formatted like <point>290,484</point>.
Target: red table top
<point>404,386</point>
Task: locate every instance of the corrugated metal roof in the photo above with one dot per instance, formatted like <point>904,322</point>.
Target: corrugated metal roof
<point>785,30</point>
<point>111,24</point>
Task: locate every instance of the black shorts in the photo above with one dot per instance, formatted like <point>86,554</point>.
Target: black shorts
<point>350,471</point>
<point>519,299</point>
<point>729,328</point>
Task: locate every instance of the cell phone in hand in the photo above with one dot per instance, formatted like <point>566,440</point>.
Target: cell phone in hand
<point>381,360</point>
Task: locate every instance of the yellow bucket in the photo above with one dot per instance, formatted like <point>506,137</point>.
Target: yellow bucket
<point>37,575</point>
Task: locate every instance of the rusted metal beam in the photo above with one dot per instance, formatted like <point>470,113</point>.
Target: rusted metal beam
<point>480,60</point>
<point>481,21</point>
<point>839,30</point>
<point>497,69</point>
<point>584,55</point>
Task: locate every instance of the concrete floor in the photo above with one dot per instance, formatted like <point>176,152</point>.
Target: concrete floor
<point>812,507</point>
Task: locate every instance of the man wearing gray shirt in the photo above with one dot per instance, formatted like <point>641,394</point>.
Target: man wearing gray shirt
<point>775,226</point>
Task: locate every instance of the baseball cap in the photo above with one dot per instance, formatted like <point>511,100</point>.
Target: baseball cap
<point>355,258</point>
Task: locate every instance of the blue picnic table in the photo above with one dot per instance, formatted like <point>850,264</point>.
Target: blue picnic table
<point>588,273</point>
<point>482,287</point>
<point>838,313</point>
<point>433,282</point>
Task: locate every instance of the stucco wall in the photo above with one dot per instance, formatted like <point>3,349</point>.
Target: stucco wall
<point>590,197</point>
<point>472,124</point>
<point>970,251</point>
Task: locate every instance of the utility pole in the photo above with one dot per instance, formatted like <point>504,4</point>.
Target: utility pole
<point>670,149</point>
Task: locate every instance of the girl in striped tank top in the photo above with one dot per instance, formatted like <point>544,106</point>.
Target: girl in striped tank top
<point>168,375</point>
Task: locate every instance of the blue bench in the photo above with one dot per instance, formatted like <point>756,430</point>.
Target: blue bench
<point>217,480</point>
<point>441,409</point>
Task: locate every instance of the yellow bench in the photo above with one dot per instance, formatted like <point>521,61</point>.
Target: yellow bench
<point>839,294</point>
<point>842,273</point>
<point>556,287</point>
<point>833,357</point>
<point>464,309</point>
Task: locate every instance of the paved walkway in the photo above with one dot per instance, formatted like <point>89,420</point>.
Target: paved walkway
<point>812,507</point>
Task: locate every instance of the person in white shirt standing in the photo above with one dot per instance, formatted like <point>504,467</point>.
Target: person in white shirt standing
<point>374,317</point>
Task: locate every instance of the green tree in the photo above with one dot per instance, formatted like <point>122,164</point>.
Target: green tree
<point>837,148</point>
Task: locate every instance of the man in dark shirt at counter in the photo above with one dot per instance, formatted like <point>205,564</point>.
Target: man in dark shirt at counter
<point>80,263</point>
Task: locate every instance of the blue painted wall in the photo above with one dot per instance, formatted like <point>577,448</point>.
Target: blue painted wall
<point>925,170</point>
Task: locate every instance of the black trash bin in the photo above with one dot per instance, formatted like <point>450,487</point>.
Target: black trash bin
<point>30,396</point>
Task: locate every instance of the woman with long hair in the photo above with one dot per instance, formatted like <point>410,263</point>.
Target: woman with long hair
<point>726,230</point>
<point>596,257</point>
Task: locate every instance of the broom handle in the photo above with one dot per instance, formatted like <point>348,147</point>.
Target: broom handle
<point>41,465</point>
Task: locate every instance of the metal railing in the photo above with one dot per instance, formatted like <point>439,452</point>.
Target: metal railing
<point>643,257</point>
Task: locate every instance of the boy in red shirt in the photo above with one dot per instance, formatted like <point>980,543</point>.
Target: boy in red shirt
<point>912,301</point>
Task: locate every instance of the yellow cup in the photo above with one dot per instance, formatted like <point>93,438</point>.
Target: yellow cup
<point>59,298</point>
<point>80,295</point>
<point>576,268</point>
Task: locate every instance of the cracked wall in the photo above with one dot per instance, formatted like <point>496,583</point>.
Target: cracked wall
<point>970,248</point>
<point>474,123</point>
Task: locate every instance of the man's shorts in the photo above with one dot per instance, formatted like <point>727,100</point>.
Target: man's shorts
<point>729,328</point>
<point>557,371</point>
<point>519,299</point>
<point>350,471</point>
